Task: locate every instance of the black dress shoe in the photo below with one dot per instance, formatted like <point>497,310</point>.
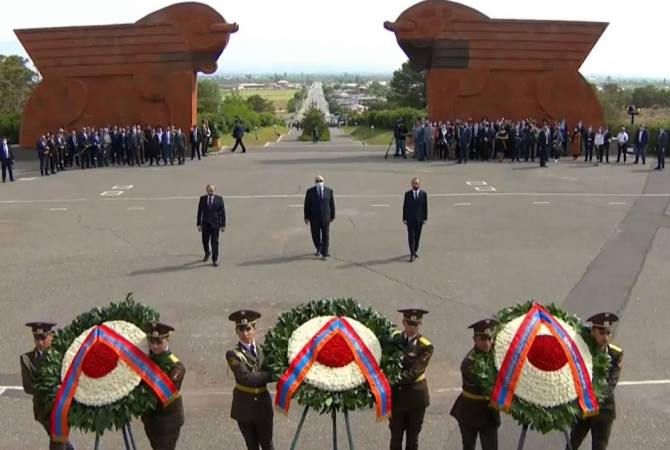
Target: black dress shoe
<point>326,255</point>
<point>416,255</point>
<point>206,257</point>
<point>318,252</point>
<point>215,264</point>
<point>411,258</point>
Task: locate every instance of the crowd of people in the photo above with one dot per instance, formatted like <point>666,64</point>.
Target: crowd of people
<point>120,146</point>
<point>502,139</point>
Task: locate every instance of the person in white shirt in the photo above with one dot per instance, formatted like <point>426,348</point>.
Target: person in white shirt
<point>622,141</point>
<point>599,141</point>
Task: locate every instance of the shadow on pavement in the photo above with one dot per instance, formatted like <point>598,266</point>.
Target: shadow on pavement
<point>376,262</point>
<point>278,260</point>
<point>167,269</point>
<point>329,160</point>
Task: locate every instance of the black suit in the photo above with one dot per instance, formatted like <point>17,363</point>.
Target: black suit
<point>211,217</point>
<point>42,152</point>
<point>6,162</point>
<point>414,214</point>
<point>320,211</point>
<point>661,148</point>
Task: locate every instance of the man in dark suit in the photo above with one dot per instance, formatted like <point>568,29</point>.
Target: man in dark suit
<point>641,141</point>
<point>42,154</point>
<point>163,424</point>
<point>180,146</point>
<point>661,148</point>
<point>319,212</point>
<point>30,367</point>
<point>72,149</point>
<point>472,411</point>
<point>465,142</point>
<point>238,134</point>
<point>84,149</point>
<point>410,394</point>
<point>414,215</point>
<point>167,146</point>
<point>6,160</point>
<point>543,142</point>
<point>252,404</point>
<point>195,142</point>
<point>210,219</point>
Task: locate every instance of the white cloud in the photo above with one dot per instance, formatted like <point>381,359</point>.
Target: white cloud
<point>347,35</point>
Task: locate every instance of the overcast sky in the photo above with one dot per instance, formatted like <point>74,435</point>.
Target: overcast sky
<point>347,35</point>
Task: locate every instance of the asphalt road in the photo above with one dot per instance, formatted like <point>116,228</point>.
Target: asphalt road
<point>315,96</point>
<point>588,237</point>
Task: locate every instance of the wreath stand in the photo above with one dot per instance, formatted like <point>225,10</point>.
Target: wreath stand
<point>128,439</point>
<point>333,416</point>
<point>522,439</point>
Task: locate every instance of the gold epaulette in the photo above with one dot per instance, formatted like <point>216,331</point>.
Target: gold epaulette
<point>396,332</point>
<point>425,342</point>
<point>173,358</point>
<point>616,348</point>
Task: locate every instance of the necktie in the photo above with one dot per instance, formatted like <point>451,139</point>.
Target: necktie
<point>416,195</point>
<point>321,193</point>
<point>252,349</point>
<point>210,201</point>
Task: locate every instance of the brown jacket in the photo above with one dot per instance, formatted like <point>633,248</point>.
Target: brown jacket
<point>251,399</point>
<point>166,418</point>
<point>472,406</point>
<point>411,392</point>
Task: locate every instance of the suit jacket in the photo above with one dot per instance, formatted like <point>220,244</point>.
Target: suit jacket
<point>645,137</point>
<point>30,369</point>
<point>194,138</point>
<point>72,143</point>
<point>662,141</point>
<point>466,137</point>
<point>251,399</point>
<point>319,209</point>
<point>411,391</point>
<point>41,147</point>
<point>415,211</point>
<point>9,157</point>
<point>214,215</point>
<point>472,405</point>
<point>166,418</point>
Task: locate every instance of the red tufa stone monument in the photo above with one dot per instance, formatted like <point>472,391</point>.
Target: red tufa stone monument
<point>477,66</point>
<point>122,74</point>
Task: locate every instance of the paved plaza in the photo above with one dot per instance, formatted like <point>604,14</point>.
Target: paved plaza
<point>590,238</point>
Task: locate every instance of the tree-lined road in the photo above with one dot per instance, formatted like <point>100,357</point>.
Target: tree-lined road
<point>315,96</point>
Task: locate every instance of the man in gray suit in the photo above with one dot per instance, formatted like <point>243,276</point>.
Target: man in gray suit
<point>661,148</point>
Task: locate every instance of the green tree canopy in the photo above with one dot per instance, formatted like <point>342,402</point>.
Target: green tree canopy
<point>408,87</point>
<point>260,104</point>
<point>17,82</point>
<point>209,97</point>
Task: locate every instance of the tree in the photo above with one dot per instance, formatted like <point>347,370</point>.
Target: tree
<point>260,104</point>
<point>209,97</point>
<point>408,87</point>
<point>17,82</point>
<point>313,118</point>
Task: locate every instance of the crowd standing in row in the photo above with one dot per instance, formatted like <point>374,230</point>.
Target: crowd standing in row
<point>120,146</point>
<point>515,140</point>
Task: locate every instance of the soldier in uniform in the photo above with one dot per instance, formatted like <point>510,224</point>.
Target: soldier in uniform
<point>163,424</point>
<point>30,367</point>
<point>252,404</point>
<point>601,424</point>
<point>471,409</point>
<point>410,394</point>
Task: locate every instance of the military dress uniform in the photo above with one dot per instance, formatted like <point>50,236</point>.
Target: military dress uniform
<point>252,404</point>
<point>601,424</point>
<point>30,368</point>
<point>163,425</point>
<point>472,411</point>
<point>410,396</point>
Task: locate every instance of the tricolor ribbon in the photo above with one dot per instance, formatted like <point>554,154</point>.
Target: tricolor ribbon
<point>293,377</point>
<point>127,352</point>
<point>517,356</point>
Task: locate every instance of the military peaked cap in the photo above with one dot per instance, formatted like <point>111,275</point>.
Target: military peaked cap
<point>484,327</point>
<point>158,330</point>
<point>413,314</point>
<point>244,317</point>
<point>41,329</point>
<point>603,319</point>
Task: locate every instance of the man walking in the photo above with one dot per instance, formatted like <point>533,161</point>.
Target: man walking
<point>6,160</point>
<point>210,219</point>
<point>195,142</point>
<point>238,134</point>
<point>319,212</point>
<point>661,148</point>
<point>414,215</point>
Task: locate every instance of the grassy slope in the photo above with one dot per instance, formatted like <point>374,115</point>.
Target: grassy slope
<point>279,97</point>
<point>265,134</point>
<point>370,137</point>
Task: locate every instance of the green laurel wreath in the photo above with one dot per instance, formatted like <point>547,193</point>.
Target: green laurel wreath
<point>539,418</point>
<point>276,352</point>
<point>97,418</point>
